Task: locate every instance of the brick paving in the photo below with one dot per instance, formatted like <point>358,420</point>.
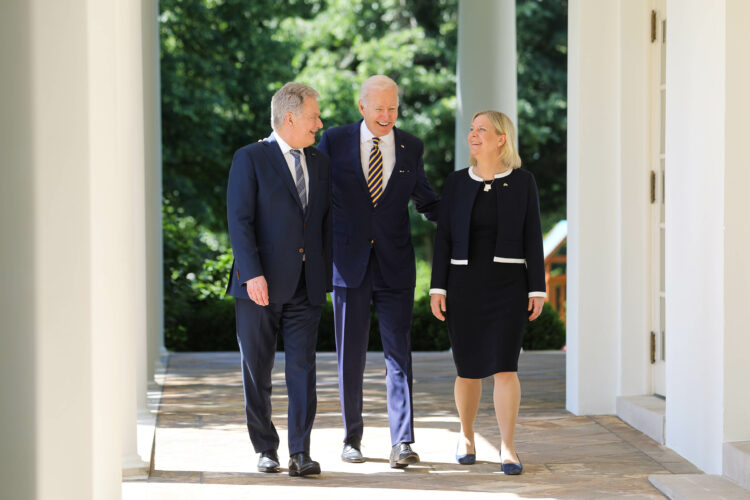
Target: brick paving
<point>202,450</point>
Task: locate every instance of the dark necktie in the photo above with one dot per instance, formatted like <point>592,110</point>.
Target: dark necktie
<point>375,172</point>
<point>300,176</point>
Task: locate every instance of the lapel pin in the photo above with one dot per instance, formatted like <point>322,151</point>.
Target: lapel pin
<point>402,146</point>
<point>505,184</point>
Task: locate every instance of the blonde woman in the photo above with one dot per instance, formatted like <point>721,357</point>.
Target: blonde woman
<point>488,275</point>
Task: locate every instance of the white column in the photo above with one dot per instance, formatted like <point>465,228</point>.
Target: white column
<point>18,327</point>
<point>71,207</point>
<point>594,206</point>
<point>108,211</point>
<point>152,145</point>
<point>695,213</point>
<point>70,462</point>
<point>127,208</point>
<point>486,69</point>
<point>737,229</point>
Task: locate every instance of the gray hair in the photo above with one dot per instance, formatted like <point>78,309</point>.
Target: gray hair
<point>376,82</point>
<point>289,99</point>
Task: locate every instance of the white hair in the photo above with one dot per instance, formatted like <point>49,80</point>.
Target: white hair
<point>376,82</point>
<point>289,99</point>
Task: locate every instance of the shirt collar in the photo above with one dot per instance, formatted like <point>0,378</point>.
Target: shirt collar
<point>496,176</point>
<point>366,136</point>
<point>285,148</point>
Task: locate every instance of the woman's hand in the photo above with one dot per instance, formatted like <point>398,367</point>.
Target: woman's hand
<point>535,306</point>
<point>437,303</point>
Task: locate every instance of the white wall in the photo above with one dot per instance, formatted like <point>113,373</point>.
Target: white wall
<point>695,138</point>
<point>486,69</point>
<point>594,207</point>
<point>737,226</point>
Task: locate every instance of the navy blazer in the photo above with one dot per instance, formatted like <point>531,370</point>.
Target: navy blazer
<point>269,230</point>
<point>519,231</point>
<point>358,227</point>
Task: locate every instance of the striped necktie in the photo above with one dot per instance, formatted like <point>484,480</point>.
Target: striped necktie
<point>300,177</point>
<point>375,173</point>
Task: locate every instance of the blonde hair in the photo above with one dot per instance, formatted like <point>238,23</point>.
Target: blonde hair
<point>503,125</point>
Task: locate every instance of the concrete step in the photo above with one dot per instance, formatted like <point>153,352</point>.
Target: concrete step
<point>645,413</point>
<point>737,462</point>
<point>698,487</point>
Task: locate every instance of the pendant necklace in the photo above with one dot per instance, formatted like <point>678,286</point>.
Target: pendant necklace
<point>487,186</point>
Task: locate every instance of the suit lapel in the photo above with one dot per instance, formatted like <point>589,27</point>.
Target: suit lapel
<point>277,161</point>
<point>355,146</point>
<point>311,158</point>
<point>400,149</point>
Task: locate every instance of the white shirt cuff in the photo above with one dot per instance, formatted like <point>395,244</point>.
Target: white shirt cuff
<point>438,291</point>
<point>538,294</point>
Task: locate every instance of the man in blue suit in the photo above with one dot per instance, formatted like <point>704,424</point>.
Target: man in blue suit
<point>376,169</point>
<point>279,215</point>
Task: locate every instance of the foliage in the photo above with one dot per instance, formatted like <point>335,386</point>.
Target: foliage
<point>213,101</point>
<point>196,265</point>
<point>222,60</point>
<point>545,332</point>
<point>542,38</point>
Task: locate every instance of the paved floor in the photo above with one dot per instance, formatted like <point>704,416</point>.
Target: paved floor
<point>202,450</point>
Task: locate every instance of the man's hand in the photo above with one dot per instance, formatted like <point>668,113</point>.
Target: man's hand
<point>535,306</point>
<point>257,290</point>
<point>437,304</point>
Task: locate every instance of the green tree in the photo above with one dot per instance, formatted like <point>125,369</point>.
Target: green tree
<point>222,60</point>
<point>542,41</point>
<point>219,68</point>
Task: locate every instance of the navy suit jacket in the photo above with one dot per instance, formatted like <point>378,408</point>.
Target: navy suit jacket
<point>269,230</point>
<point>519,230</point>
<point>358,227</point>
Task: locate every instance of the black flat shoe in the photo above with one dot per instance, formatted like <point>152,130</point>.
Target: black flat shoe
<point>300,464</point>
<point>511,469</point>
<point>403,456</point>
<point>466,458</point>
<point>268,461</point>
<point>352,454</point>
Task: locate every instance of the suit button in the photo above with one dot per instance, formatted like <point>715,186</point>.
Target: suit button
<point>372,242</point>
<point>301,250</point>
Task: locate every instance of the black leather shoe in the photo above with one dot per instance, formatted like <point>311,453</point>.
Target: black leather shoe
<point>268,461</point>
<point>300,464</point>
<point>403,456</point>
<point>352,453</point>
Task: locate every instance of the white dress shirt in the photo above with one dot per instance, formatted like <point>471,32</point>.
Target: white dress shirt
<point>387,149</point>
<point>289,157</point>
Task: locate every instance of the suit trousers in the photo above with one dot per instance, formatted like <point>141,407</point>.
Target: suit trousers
<point>352,326</point>
<point>257,327</point>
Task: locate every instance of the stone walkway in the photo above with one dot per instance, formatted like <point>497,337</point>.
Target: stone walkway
<point>202,450</point>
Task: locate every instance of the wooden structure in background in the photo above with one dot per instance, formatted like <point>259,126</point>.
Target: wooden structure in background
<point>554,243</point>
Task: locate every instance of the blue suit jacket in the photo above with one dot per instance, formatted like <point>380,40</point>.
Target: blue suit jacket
<point>358,227</point>
<point>519,230</point>
<point>268,228</point>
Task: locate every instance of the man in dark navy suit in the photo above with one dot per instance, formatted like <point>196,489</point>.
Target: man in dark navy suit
<point>376,170</point>
<point>279,214</point>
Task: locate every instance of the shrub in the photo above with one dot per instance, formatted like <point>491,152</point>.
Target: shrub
<point>545,332</point>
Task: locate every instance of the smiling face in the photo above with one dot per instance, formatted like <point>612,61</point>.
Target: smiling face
<point>379,108</point>
<point>299,130</point>
<point>484,141</point>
